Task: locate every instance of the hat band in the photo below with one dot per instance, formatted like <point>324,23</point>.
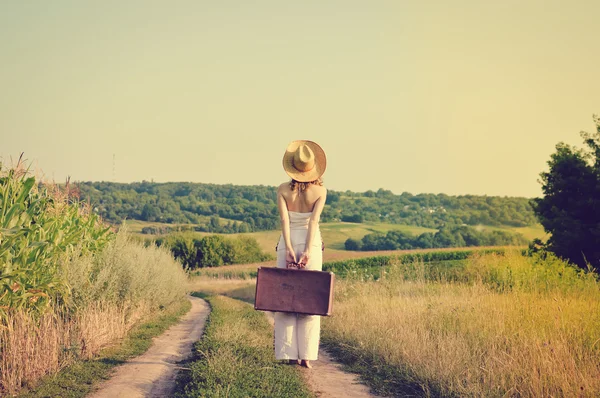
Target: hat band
<point>302,171</point>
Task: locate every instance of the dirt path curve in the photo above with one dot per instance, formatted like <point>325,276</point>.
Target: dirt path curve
<point>153,373</point>
<point>327,379</point>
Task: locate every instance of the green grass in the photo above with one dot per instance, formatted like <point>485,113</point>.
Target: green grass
<point>79,379</point>
<point>235,357</point>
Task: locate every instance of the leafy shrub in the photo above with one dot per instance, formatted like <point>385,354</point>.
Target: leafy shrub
<point>213,250</point>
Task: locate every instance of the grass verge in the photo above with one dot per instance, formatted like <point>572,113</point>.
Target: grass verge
<point>520,326</point>
<point>78,379</point>
<point>235,357</point>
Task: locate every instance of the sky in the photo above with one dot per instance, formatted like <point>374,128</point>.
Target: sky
<point>461,97</point>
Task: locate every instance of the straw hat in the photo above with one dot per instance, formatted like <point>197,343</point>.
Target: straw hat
<point>304,161</point>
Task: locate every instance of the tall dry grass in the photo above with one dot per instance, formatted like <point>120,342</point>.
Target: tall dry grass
<point>109,293</point>
<point>523,327</point>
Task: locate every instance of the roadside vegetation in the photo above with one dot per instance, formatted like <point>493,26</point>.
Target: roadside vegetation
<point>70,286</point>
<point>515,325</point>
<point>470,323</point>
<point>78,379</point>
<point>235,358</point>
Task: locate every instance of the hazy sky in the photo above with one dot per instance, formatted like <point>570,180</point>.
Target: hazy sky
<point>432,96</point>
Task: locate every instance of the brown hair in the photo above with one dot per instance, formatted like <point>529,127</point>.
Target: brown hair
<point>302,186</point>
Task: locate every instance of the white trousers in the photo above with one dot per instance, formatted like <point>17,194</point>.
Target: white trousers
<point>297,335</point>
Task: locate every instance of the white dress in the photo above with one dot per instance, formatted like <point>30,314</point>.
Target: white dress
<point>297,335</point>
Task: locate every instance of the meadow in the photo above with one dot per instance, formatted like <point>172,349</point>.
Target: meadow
<point>78,298</point>
<point>511,325</point>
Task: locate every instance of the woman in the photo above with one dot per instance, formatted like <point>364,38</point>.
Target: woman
<point>300,204</point>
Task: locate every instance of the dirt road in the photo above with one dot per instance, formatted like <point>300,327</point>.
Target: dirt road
<point>153,373</point>
<point>327,379</point>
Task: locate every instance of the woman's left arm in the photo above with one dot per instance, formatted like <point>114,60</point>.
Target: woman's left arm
<point>313,225</point>
<point>290,256</point>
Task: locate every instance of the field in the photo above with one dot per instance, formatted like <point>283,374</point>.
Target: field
<point>80,298</point>
<point>513,326</point>
<point>335,234</point>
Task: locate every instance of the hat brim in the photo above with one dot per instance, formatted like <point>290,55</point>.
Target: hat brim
<point>307,176</point>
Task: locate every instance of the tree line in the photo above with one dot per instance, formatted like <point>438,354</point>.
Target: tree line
<point>455,236</point>
<point>235,208</point>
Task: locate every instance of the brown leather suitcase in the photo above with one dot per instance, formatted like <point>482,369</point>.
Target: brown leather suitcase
<point>292,290</point>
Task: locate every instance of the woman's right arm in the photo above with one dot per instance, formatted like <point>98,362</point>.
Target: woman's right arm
<point>284,217</point>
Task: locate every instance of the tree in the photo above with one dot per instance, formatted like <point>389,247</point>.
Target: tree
<point>149,212</point>
<point>352,244</point>
<point>211,251</point>
<point>570,208</point>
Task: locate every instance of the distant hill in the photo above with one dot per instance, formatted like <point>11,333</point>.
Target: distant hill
<point>239,208</point>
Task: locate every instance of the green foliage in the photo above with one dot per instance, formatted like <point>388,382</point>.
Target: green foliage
<point>462,236</point>
<point>38,228</point>
<point>501,270</point>
<point>352,218</point>
<point>540,273</point>
<point>570,208</point>
<point>213,250</point>
<point>443,262</point>
<point>254,208</point>
<point>233,209</point>
<point>235,357</point>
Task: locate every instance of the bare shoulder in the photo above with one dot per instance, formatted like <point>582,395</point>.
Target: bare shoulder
<point>320,189</point>
<point>283,187</point>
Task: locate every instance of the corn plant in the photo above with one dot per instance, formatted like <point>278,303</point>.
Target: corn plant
<point>37,228</point>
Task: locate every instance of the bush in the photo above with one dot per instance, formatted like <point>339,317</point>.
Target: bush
<point>352,244</point>
<point>125,272</point>
<point>213,250</point>
<point>358,218</point>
